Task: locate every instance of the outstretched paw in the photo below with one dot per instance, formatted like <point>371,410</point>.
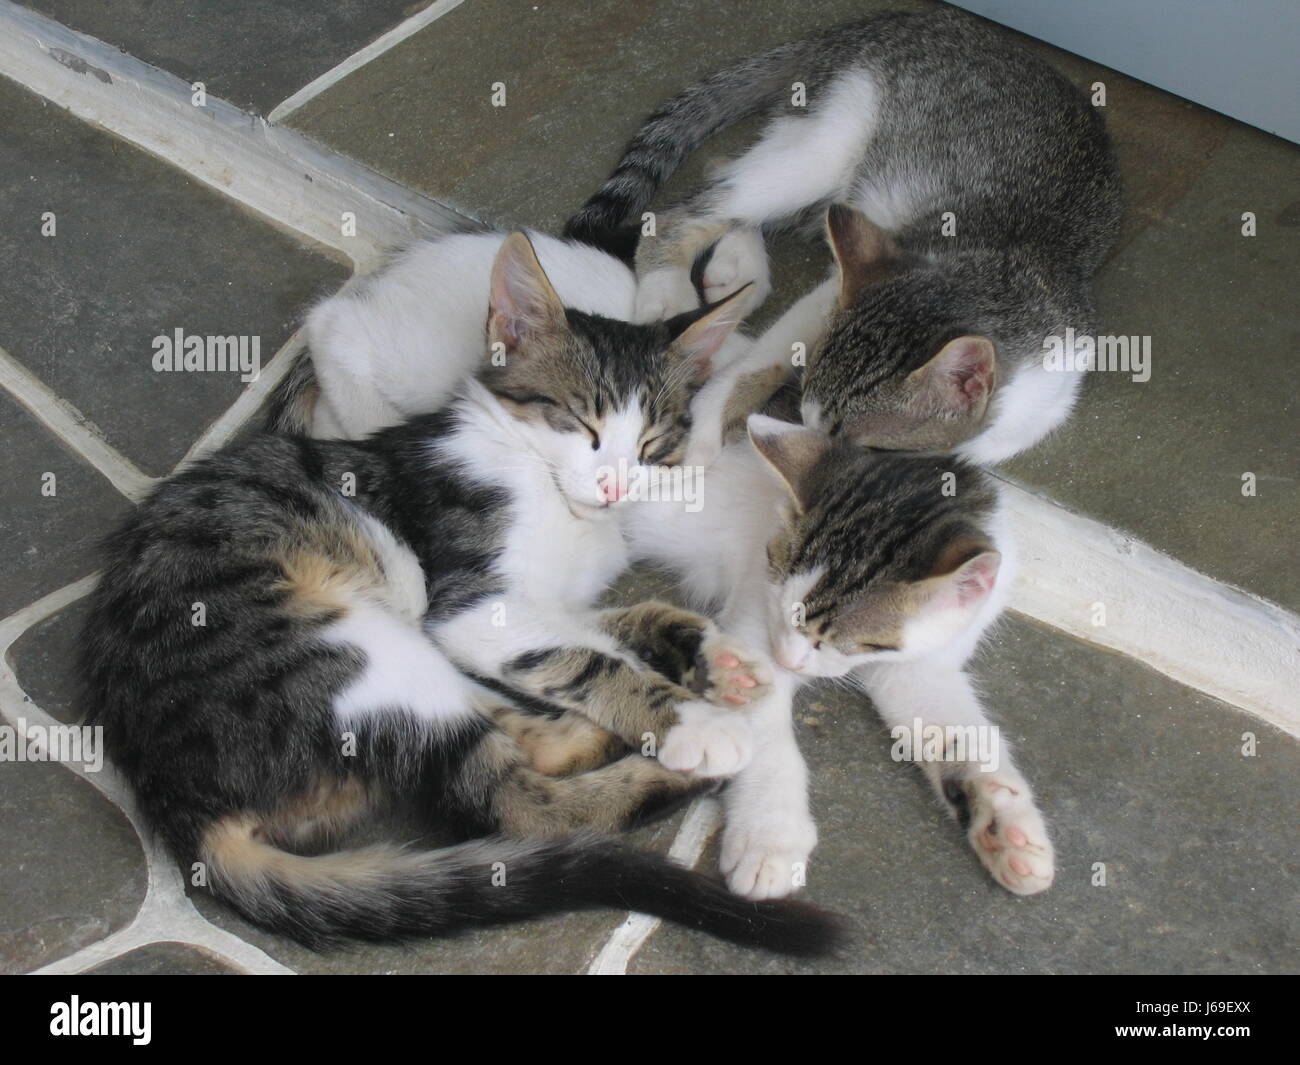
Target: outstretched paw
<point>1008,832</point>
<point>707,741</point>
<point>738,259</point>
<point>765,854</point>
<point>730,674</point>
<point>664,293</point>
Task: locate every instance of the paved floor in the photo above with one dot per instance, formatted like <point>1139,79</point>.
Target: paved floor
<point>1147,777</point>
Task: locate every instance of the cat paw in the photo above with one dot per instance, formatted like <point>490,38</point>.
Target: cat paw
<point>1008,833</point>
<point>664,293</point>
<point>728,673</point>
<point>738,259</point>
<point>766,857</point>
<point>707,741</point>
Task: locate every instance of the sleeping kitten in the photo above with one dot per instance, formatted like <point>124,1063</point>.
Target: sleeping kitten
<point>281,637</point>
<point>400,341</point>
<point>378,331</point>
<point>886,566</point>
<point>984,195</point>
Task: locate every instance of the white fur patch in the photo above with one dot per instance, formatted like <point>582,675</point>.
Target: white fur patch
<point>403,670</point>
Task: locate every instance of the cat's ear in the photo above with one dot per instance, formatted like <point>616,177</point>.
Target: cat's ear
<point>523,308</point>
<point>791,450</point>
<point>965,572</point>
<point>863,251</point>
<point>959,380</point>
<point>697,335</point>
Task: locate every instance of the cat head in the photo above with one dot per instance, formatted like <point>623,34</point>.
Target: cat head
<point>880,555</point>
<point>592,397</point>
<point>899,368</point>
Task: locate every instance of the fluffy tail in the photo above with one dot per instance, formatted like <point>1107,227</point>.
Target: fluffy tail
<point>384,893</point>
<point>293,403</point>
<point>662,144</point>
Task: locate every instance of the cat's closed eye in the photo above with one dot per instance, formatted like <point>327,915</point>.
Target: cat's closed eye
<point>586,428</point>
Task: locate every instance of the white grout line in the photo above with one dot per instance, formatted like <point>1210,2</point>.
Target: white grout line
<point>273,170</point>
<point>166,913</point>
<point>72,427</point>
<point>249,402</point>
<point>373,50</point>
<point>1197,630</point>
<point>697,829</point>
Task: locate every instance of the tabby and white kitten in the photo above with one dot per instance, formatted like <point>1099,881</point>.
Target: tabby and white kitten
<point>984,196</point>
<point>377,331</point>
<point>886,566</point>
<point>281,638</point>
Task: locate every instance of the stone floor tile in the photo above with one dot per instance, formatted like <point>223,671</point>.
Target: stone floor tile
<point>49,538</point>
<point>253,54</point>
<point>73,871</point>
<point>139,251</point>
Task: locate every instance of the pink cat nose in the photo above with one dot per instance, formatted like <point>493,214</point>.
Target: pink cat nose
<point>610,490</point>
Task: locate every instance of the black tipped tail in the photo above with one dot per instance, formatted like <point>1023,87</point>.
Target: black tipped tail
<point>385,893</point>
<point>667,137</point>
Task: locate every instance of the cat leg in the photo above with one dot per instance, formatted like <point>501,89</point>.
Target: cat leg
<point>558,746</point>
<point>688,649</point>
<point>664,262</point>
<point>738,259</point>
<point>745,384</point>
<point>498,790</point>
<point>573,664</point>
<point>971,769</point>
<point>769,834</point>
<point>796,164</point>
<point>322,815</point>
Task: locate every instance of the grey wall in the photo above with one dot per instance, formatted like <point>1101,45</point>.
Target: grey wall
<point>1241,57</point>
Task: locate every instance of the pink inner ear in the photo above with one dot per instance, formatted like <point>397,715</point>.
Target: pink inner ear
<point>967,369</point>
<point>977,577</point>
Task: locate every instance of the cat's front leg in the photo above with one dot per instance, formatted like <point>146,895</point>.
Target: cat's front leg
<point>571,662</point>
<point>688,649</point>
<point>769,833</point>
<point>937,721</point>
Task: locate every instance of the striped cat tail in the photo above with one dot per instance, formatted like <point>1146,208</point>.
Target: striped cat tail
<point>384,893</point>
<point>610,219</point>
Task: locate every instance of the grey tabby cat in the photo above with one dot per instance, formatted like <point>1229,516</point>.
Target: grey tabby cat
<point>982,195</point>
<point>280,641</point>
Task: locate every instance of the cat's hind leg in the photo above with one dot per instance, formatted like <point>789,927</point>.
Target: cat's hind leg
<point>937,721</point>
<point>738,259</point>
<point>558,746</point>
<point>498,787</point>
<point>798,162</point>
